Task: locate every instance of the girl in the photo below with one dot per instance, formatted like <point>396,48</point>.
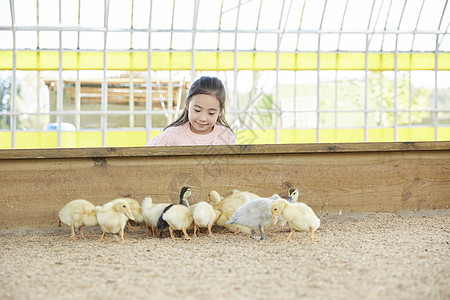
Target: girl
<point>202,121</point>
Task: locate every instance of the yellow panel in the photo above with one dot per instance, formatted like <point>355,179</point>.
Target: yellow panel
<point>30,140</point>
<point>265,61</point>
<point>48,60</point>
<point>126,138</point>
<point>118,61</point>
<point>443,134</point>
<point>381,62</point>
<point>351,61</point>
<point>245,61</point>
<point>226,61</point>
<point>206,61</point>
<point>160,60</point>
<point>415,134</point>
<point>422,61</point>
<point>289,136</point>
<point>287,61</point>
<point>444,61</point>
<point>69,139</point>
<point>72,60</point>
<point>27,60</point>
<point>306,61</point>
<point>181,61</point>
<point>257,136</point>
<point>328,61</point>
<point>139,61</point>
<point>380,135</point>
<point>89,139</point>
<point>341,135</point>
<point>6,60</point>
<point>5,140</point>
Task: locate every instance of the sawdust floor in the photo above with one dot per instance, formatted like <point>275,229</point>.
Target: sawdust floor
<point>354,256</point>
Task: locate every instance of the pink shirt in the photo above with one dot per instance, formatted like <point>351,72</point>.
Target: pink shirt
<point>183,136</point>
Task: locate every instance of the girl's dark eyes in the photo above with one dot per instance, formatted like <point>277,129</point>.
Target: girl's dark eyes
<point>212,114</point>
<point>196,110</point>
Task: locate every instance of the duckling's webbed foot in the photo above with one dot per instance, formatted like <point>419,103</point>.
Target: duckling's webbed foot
<point>261,230</point>
<point>132,228</point>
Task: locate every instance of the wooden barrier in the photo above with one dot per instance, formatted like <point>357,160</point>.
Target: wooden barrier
<point>358,177</point>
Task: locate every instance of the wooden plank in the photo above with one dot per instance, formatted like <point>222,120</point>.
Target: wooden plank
<point>36,184</point>
<point>222,150</point>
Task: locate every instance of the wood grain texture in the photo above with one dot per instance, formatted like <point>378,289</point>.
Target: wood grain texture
<point>397,177</point>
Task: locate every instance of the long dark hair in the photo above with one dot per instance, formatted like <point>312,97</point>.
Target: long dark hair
<point>205,85</point>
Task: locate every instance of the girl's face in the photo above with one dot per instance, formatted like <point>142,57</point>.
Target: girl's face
<point>203,113</point>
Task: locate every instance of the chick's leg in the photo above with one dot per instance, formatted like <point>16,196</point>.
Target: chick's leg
<point>186,236</point>
<point>132,228</point>
<point>311,230</point>
<point>73,232</point>
<point>121,234</point>
<point>290,234</point>
<point>209,230</point>
<point>261,231</point>
<point>153,231</point>
<point>103,236</point>
<point>195,230</point>
<point>81,232</point>
<point>171,233</point>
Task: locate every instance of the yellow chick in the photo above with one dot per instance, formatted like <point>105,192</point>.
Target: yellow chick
<point>136,210</point>
<point>204,216</point>
<point>228,206</point>
<point>299,215</point>
<point>177,216</point>
<point>79,213</point>
<point>151,213</point>
<point>113,217</point>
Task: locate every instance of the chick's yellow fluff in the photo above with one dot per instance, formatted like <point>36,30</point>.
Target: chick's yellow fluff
<point>113,217</point>
<point>78,213</point>
<point>203,215</point>
<point>228,206</point>
<point>151,213</point>
<point>299,216</point>
<point>179,218</point>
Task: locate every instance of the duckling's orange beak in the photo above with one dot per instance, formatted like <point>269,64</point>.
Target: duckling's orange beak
<point>274,219</point>
<point>129,215</point>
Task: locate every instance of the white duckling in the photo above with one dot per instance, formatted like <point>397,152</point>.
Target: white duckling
<point>113,217</point>
<point>79,213</point>
<point>254,214</point>
<point>151,213</point>
<point>177,216</point>
<point>204,216</point>
<point>228,206</point>
<point>299,215</point>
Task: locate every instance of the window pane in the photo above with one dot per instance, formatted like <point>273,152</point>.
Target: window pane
<point>26,40</point>
<point>206,41</point>
<point>49,12</point>
<point>25,17</point>
<point>92,13</point>
<point>49,40</point>
<point>209,14</point>
<point>183,14</point>
<point>182,41</point>
<point>118,40</point>
<point>91,40</point>
<point>161,14</point>
<point>119,14</point>
<point>141,14</point>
